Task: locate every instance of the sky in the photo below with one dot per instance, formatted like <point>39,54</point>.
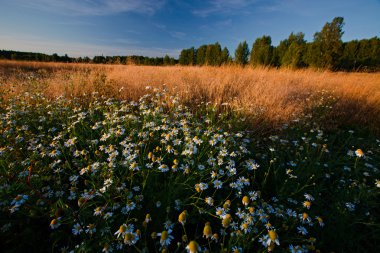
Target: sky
<point>158,27</point>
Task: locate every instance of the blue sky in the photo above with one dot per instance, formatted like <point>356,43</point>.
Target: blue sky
<point>159,27</point>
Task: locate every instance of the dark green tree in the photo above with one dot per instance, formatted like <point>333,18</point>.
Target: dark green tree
<point>326,49</point>
<point>262,51</point>
<point>291,51</point>
<point>213,54</point>
<point>187,56</point>
<point>225,56</point>
<point>166,60</point>
<point>242,53</point>
<point>201,55</point>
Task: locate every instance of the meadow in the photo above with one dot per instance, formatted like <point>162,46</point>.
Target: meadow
<point>112,158</point>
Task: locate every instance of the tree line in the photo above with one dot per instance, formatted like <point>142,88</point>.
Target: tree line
<point>133,59</point>
<point>326,51</point>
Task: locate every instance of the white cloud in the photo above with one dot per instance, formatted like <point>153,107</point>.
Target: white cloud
<point>73,49</point>
<point>94,7</point>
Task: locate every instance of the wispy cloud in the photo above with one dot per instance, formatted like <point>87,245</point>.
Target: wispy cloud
<point>94,7</point>
<point>223,7</point>
<point>178,35</point>
<point>175,34</point>
<point>74,49</point>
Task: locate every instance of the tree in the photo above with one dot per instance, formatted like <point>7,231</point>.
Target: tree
<point>213,54</point>
<point>262,51</point>
<point>327,48</point>
<point>225,56</point>
<point>349,59</point>
<point>201,55</point>
<point>290,51</point>
<point>166,60</point>
<point>242,53</point>
<point>187,56</point>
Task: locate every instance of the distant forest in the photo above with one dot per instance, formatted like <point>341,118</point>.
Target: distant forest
<point>326,51</point>
<point>134,59</point>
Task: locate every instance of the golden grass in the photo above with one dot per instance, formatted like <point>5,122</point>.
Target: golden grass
<point>271,95</point>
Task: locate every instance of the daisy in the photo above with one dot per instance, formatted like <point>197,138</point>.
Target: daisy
<point>359,153</point>
<point>302,230</point>
<point>165,238</point>
<point>130,238</point>
<point>217,184</point>
<point>163,168</point>
<point>209,201</point>
<point>77,229</point>
<point>55,223</point>
<point>308,197</point>
<point>121,231</point>
<point>91,228</point>
<point>320,221</point>
<point>272,238</point>
<point>307,204</point>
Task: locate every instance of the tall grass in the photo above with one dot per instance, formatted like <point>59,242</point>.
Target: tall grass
<point>269,95</point>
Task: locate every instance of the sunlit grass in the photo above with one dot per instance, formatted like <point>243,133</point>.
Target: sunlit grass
<point>99,174</point>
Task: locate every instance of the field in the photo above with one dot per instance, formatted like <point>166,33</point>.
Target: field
<point>188,159</point>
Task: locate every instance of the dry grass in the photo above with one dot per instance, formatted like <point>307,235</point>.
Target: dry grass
<point>270,95</point>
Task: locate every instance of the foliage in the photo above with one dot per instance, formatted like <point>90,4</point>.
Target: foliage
<point>242,53</point>
<point>262,51</point>
<point>187,57</point>
<point>210,55</point>
<point>291,51</point>
<point>327,45</point>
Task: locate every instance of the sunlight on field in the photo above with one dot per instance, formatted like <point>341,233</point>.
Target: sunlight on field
<point>267,94</point>
<point>188,159</point>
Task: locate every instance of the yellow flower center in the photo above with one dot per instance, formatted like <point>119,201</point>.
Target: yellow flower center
<point>164,235</point>
<point>272,235</point>
<point>128,237</point>
<point>207,232</point>
<point>359,152</point>
<point>193,246</point>
<point>245,200</point>
<point>227,220</point>
<point>182,217</point>
<point>122,229</point>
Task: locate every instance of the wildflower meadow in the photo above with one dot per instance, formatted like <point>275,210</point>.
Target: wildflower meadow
<point>101,174</point>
